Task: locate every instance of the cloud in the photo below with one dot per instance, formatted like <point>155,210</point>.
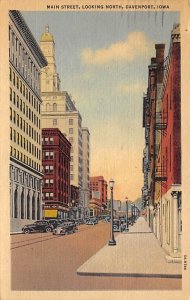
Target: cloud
<point>132,88</point>
<point>135,46</point>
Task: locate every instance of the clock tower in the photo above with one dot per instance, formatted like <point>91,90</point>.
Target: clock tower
<point>50,81</point>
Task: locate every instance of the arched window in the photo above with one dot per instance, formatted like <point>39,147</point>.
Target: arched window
<point>22,205</point>
<point>47,107</point>
<point>28,207</point>
<point>16,204</point>
<point>33,208</point>
<point>54,107</point>
<point>38,208</point>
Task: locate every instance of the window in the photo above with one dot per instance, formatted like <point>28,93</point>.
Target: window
<point>10,94</point>
<point>10,113</point>
<point>47,107</point>
<point>14,116</point>
<point>71,130</point>
<point>54,121</point>
<point>70,121</point>
<point>54,107</point>
<point>51,140</point>
<point>14,98</point>
<point>46,154</point>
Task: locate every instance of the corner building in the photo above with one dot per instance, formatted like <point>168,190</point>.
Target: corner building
<point>56,170</point>
<point>25,63</point>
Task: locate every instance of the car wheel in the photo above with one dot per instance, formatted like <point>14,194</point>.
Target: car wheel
<point>48,229</point>
<point>26,231</point>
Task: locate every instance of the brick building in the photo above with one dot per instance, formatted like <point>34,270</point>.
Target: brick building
<point>56,170</point>
<point>162,153</point>
<point>98,193</point>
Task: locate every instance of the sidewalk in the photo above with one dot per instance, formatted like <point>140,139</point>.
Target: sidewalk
<point>137,254</point>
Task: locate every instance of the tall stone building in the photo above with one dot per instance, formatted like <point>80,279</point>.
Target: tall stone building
<point>59,111</point>
<point>25,62</point>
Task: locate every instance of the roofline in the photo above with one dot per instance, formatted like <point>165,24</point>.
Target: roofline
<point>27,35</point>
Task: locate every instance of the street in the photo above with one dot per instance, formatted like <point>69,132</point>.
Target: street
<point>43,261</point>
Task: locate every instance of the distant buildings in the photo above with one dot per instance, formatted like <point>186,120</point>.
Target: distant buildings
<point>162,154</point>
<point>98,194</point>
<point>25,63</point>
<point>56,170</point>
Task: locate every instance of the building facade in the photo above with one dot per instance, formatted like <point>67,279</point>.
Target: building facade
<point>56,170</point>
<point>98,193</point>
<point>25,63</point>
<point>85,170</point>
<point>59,111</point>
<point>162,122</point>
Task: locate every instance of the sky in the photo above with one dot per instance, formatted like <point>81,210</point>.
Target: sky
<point>102,59</point>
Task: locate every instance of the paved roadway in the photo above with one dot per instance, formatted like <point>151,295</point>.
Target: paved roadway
<point>42,261</point>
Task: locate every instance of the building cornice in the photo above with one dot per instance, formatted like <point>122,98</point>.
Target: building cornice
<point>28,37</point>
<point>16,161</point>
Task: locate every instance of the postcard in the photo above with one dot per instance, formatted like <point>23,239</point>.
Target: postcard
<point>95,149</point>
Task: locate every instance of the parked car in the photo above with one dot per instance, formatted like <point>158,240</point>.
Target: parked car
<point>118,225</point>
<point>91,222</point>
<point>65,228</point>
<point>38,226</point>
<point>55,222</point>
<point>94,220</point>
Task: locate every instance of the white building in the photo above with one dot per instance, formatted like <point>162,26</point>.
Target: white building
<point>25,61</point>
<point>58,110</point>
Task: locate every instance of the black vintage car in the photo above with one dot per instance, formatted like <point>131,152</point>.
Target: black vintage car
<point>55,222</point>
<point>38,226</point>
<point>118,225</point>
<point>65,228</point>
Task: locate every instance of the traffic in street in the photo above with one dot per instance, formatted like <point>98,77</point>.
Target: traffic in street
<point>47,261</point>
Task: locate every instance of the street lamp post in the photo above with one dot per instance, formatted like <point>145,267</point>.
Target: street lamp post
<point>112,241</point>
<point>127,210</point>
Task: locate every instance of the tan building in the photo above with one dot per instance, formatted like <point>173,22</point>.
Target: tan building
<point>25,61</point>
<point>59,111</point>
<point>86,169</point>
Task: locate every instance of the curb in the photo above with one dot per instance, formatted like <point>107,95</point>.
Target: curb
<point>129,275</point>
<point>13,233</point>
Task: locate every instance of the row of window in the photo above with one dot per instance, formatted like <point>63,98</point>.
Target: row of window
<point>47,140</point>
<point>20,58</point>
<point>20,104</point>
<point>47,169</point>
<point>47,155</point>
<point>23,125</point>
<point>17,82</point>
<point>24,158</point>
<point>24,143</point>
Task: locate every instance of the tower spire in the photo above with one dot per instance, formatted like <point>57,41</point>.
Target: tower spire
<point>47,28</point>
